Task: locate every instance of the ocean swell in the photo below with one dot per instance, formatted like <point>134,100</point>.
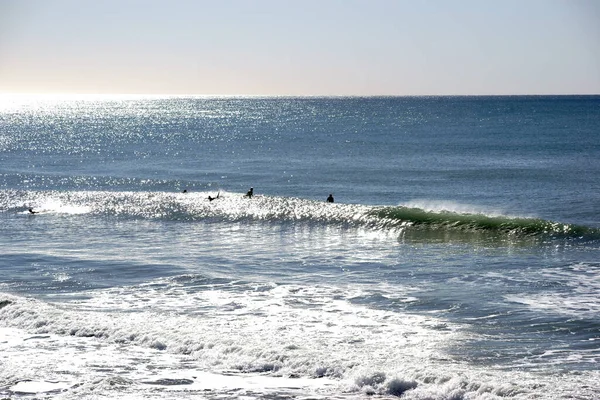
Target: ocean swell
<point>230,206</point>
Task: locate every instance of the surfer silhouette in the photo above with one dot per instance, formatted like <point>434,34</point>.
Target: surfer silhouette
<point>32,212</point>
<point>213,198</point>
<point>330,198</point>
<point>250,193</point>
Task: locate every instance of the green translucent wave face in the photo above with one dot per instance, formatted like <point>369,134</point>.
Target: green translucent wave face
<point>419,219</point>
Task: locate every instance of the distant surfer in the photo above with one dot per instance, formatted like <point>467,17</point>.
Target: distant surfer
<point>184,191</point>
<point>213,198</point>
<point>32,212</point>
<point>250,193</point>
<point>330,198</point>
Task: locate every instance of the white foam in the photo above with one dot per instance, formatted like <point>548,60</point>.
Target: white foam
<point>453,207</point>
<point>285,330</point>
<point>202,381</point>
<point>38,387</point>
<point>576,296</point>
<point>234,341</point>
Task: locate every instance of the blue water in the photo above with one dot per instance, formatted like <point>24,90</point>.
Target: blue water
<point>460,259</point>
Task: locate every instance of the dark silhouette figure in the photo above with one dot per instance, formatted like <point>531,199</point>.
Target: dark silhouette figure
<point>32,212</point>
<point>213,198</point>
<point>184,191</point>
<point>250,193</point>
<point>330,198</point>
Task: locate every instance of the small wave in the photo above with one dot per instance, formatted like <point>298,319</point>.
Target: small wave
<point>445,220</point>
<point>196,206</point>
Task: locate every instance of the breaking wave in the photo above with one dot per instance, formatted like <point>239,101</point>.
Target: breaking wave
<point>235,207</point>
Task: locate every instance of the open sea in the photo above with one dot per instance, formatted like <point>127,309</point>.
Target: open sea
<point>460,259</point>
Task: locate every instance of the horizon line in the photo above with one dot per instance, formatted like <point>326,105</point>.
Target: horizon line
<point>191,95</point>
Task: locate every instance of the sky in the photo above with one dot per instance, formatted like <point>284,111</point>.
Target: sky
<point>300,47</point>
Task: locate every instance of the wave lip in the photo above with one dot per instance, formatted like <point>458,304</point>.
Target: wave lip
<point>447,220</point>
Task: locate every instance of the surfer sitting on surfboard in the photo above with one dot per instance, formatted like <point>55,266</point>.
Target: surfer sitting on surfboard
<point>250,193</point>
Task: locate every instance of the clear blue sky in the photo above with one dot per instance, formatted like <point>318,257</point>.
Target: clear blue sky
<point>301,47</point>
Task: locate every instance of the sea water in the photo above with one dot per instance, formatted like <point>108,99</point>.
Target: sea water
<point>460,259</point>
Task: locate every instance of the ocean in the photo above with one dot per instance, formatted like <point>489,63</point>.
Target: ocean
<point>459,260</point>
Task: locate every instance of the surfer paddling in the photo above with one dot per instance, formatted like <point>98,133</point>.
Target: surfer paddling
<point>32,212</point>
<point>213,198</point>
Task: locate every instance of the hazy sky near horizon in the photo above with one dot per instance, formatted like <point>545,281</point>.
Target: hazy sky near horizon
<point>307,47</point>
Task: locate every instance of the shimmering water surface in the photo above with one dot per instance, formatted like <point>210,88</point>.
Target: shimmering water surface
<point>460,259</point>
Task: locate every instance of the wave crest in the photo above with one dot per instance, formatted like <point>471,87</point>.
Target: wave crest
<point>446,220</point>
<point>235,207</point>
